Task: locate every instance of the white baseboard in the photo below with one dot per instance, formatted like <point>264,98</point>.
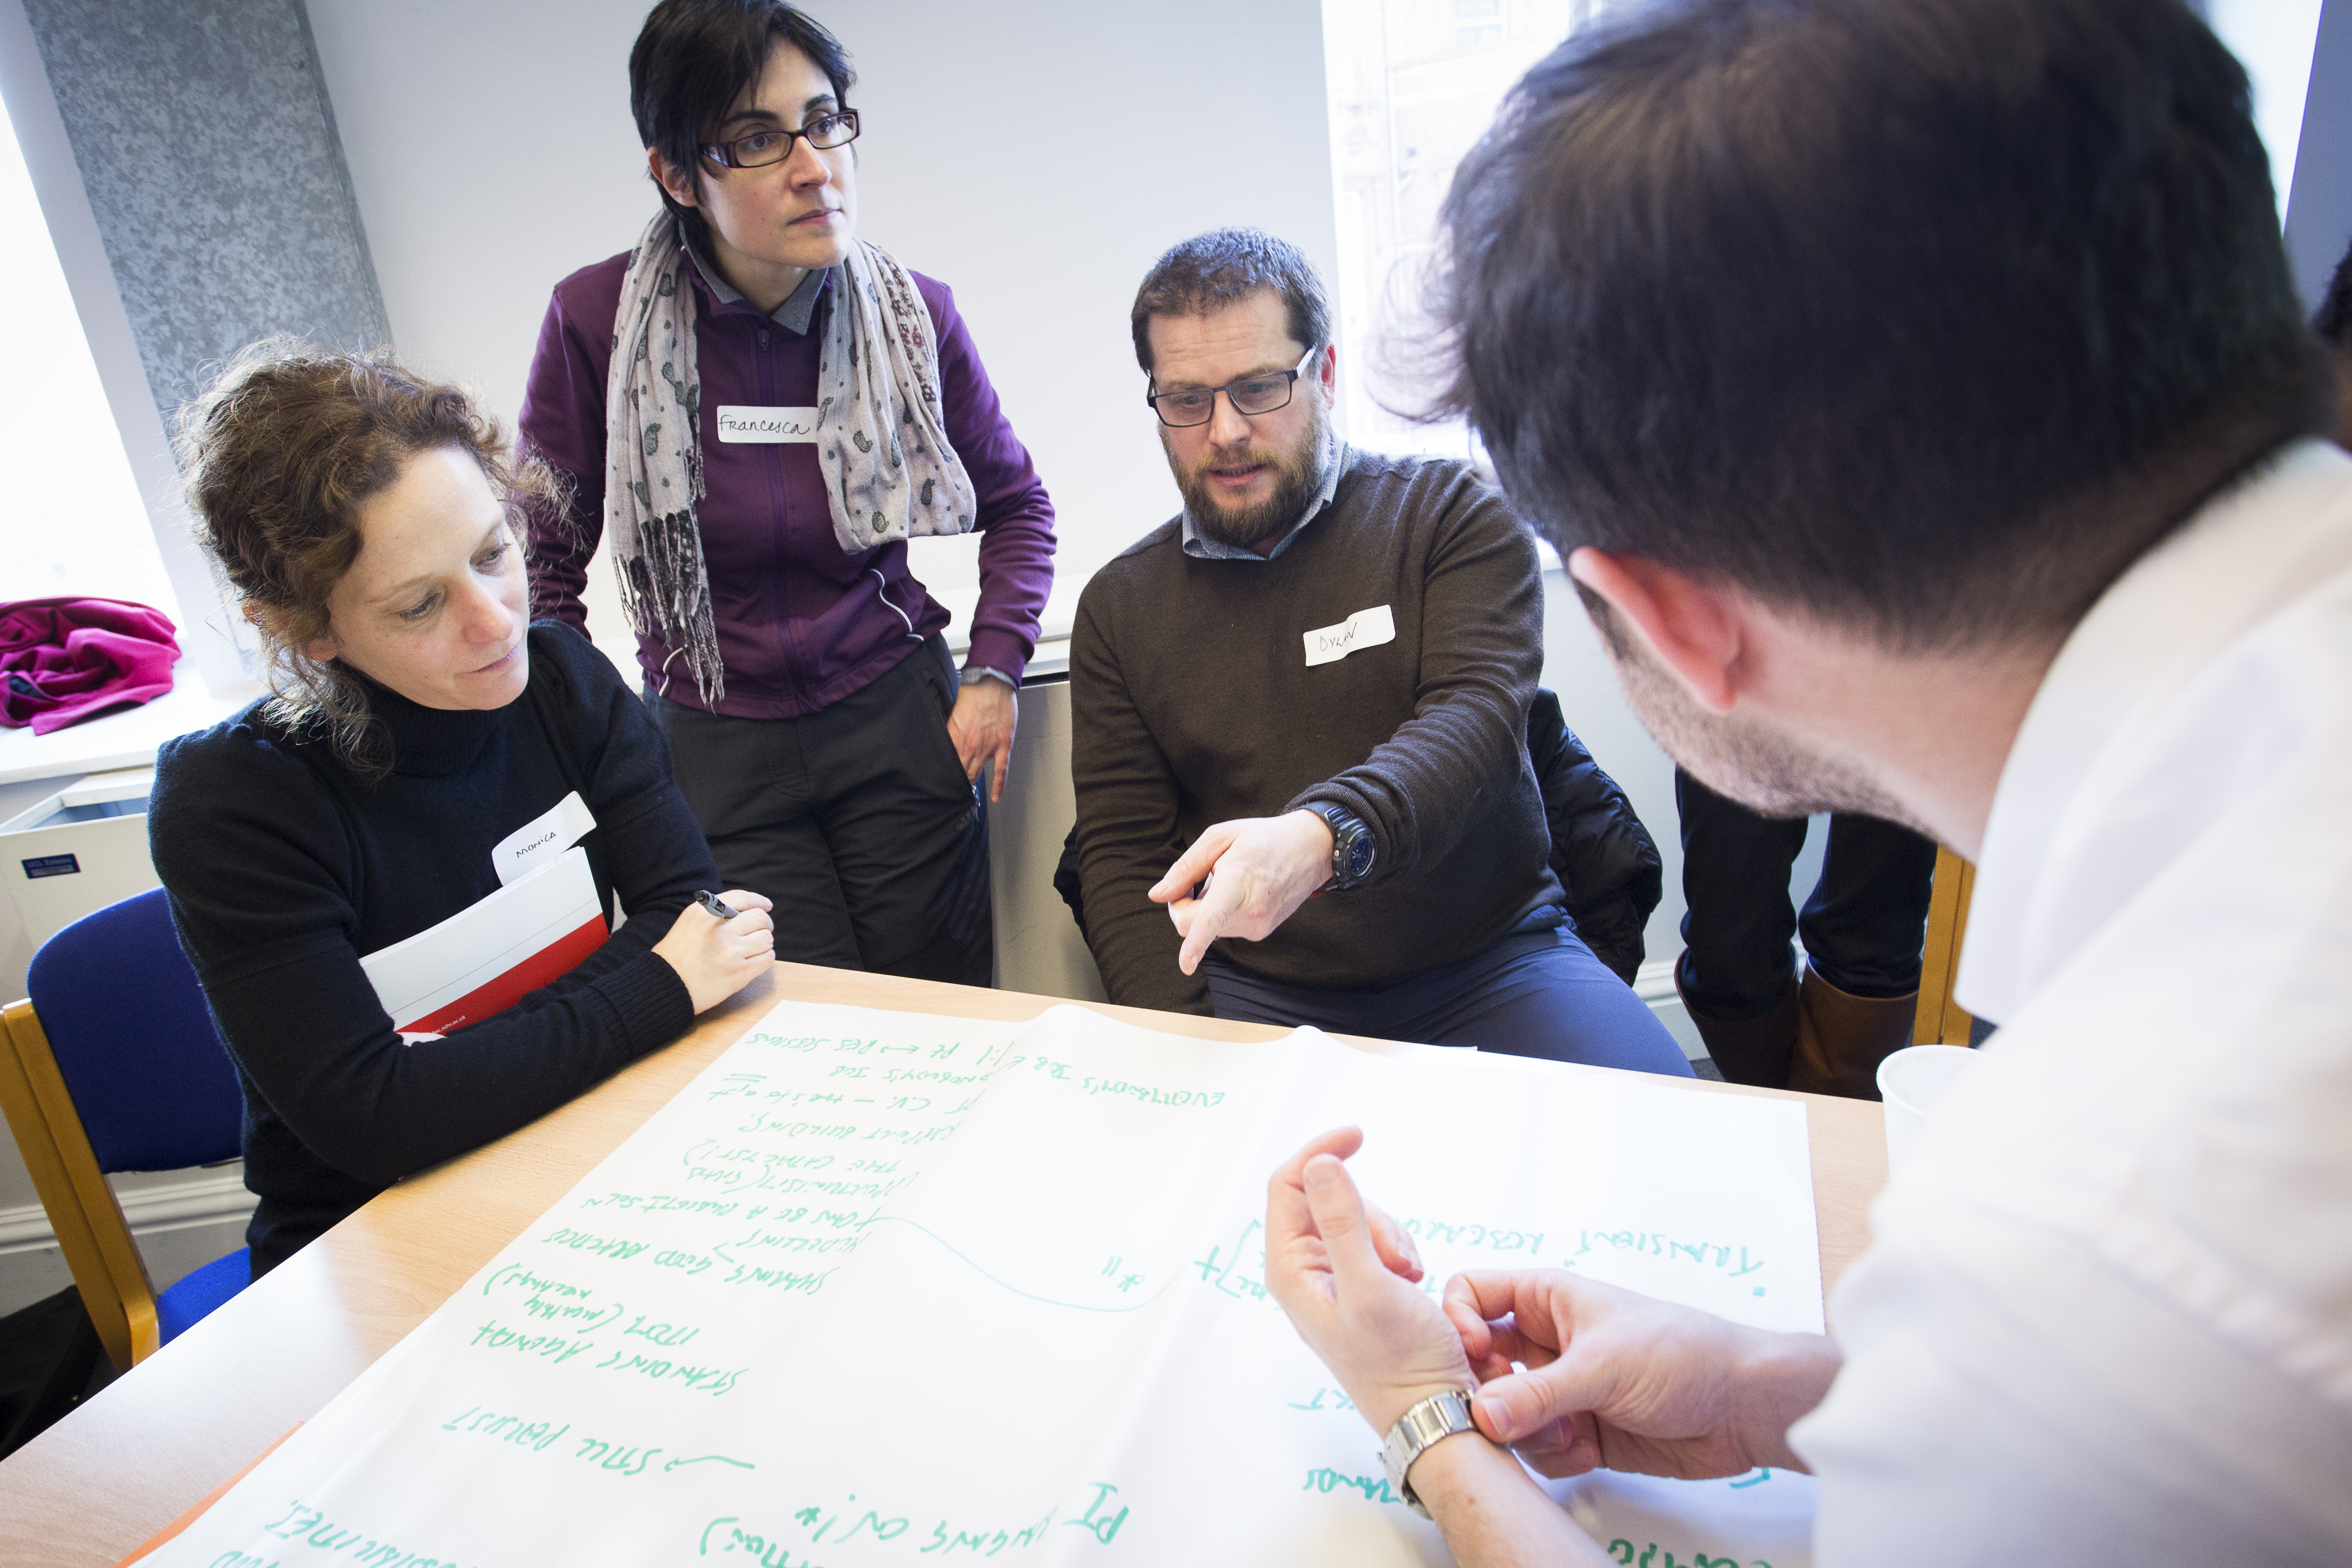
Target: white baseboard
<point>209,1199</point>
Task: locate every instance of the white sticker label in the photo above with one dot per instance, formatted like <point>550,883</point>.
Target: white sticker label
<point>1365,628</point>
<point>767,427</point>
<point>538,841</point>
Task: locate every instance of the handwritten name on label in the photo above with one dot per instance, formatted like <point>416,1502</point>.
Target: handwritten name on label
<point>1365,628</point>
<point>538,842</point>
<point>740,423</point>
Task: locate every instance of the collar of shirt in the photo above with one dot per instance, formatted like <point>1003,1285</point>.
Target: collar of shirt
<point>2261,544</point>
<point>792,315</point>
<point>1200,547</point>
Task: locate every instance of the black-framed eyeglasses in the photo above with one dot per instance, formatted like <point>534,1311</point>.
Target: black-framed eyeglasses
<point>1261,394</point>
<point>761,148</point>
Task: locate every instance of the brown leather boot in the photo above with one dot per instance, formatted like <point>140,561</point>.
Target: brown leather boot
<point>1749,1050</point>
<point>1841,1038</point>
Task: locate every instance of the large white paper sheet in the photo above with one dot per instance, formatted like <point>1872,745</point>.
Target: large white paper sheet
<point>879,1287</point>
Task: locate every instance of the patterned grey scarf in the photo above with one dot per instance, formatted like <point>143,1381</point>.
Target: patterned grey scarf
<point>882,443</point>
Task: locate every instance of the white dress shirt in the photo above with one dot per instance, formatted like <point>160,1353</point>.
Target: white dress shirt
<point>2107,1317</point>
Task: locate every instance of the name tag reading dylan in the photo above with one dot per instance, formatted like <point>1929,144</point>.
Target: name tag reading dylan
<point>1365,628</point>
<point>765,426</point>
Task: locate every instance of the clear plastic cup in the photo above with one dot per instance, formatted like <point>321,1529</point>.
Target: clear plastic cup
<point>1910,1081</point>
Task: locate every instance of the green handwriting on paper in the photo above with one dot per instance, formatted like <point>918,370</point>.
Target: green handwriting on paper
<point>1374,1487</point>
<point>625,1459</point>
<point>1145,1094</point>
<point>1493,1238</point>
<point>554,1348</point>
<point>774,1544</point>
<point>536,1436</point>
<point>1098,1520</point>
<point>751,1168</point>
<point>1657,1244</point>
<point>668,1202</point>
<point>1339,1400</point>
<point>786,1042</point>
<point>549,1301</point>
<point>711,1380</point>
<point>1651,1557</point>
<point>308,1526</point>
<point>1238,1271</point>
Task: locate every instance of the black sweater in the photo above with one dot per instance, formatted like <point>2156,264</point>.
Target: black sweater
<point>284,868</point>
<point>1191,703</point>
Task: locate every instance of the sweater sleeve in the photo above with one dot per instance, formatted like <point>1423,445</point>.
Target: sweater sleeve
<point>259,866</point>
<point>1016,516</point>
<point>1481,653</point>
<point>563,424</point>
<point>1127,826</point>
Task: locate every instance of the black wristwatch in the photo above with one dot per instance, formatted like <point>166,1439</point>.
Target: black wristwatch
<point>1352,845</point>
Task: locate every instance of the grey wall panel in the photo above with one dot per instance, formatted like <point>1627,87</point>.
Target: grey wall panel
<point>210,159</point>
<point>2319,209</point>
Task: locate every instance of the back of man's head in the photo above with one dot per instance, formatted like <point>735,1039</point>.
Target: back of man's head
<point>2333,321</point>
<point>1924,319</point>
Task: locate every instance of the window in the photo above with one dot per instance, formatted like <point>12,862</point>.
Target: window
<point>71,521</point>
<point>1414,84</point>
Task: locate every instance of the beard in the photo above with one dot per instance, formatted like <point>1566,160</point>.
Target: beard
<point>1767,771</point>
<point>1297,475</point>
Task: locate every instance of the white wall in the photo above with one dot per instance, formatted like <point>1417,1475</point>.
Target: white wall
<point>481,182</point>
<point>492,152</point>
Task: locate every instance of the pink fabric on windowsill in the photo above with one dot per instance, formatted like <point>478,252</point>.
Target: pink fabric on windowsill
<point>66,660</point>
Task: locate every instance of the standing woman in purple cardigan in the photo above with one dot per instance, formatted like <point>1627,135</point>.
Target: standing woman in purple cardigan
<point>756,409</point>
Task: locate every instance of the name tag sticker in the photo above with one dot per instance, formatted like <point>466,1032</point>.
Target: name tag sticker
<point>765,426</point>
<point>1365,628</point>
<point>541,839</point>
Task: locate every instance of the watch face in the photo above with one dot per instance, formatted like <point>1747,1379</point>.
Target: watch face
<point>1360,855</point>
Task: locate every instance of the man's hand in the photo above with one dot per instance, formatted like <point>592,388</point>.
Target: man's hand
<point>1622,1380</point>
<point>981,728</point>
<point>1349,1280</point>
<point>1259,870</point>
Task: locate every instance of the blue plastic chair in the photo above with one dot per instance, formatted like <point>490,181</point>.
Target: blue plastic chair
<point>113,1065</point>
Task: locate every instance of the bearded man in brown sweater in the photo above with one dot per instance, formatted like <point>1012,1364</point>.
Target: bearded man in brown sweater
<point>1315,681</point>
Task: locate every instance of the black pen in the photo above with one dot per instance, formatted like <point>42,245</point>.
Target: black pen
<point>717,906</point>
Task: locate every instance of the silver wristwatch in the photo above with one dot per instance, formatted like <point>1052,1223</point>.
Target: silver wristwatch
<point>1417,1430</point>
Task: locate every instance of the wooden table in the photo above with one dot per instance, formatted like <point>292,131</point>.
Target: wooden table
<point>93,1488</point>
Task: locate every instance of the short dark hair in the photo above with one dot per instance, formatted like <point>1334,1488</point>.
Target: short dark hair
<point>692,60</point>
<point>1216,269</point>
<point>1924,319</point>
<point>2334,319</point>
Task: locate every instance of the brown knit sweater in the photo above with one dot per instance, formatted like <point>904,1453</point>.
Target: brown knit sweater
<point>1193,704</point>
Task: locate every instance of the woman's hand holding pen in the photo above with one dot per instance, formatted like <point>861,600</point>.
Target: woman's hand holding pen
<point>719,945</point>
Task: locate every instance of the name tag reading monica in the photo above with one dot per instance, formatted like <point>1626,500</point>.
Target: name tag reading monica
<point>1365,628</point>
<point>766,426</point>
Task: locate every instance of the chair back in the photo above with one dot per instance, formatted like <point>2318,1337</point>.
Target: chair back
<point>113,1065</point>
<point>153,1086</point>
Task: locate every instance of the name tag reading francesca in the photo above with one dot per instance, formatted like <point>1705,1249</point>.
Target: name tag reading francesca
<point>766,426</point>
<point>1365,628</point>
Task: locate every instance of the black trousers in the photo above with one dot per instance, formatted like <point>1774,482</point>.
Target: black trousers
<point>1863,925</point>
<point>857,820</point>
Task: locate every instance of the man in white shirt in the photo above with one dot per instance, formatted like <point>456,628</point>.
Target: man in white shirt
<point>1918,396</point>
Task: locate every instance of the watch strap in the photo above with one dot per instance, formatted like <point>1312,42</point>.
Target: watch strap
<point>1419,1429</point>
<point>1348,833</point>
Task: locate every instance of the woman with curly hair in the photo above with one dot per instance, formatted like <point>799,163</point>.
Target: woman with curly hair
<point>368,519</point>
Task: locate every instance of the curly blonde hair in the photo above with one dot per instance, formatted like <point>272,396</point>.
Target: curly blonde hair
<point>276,457</point>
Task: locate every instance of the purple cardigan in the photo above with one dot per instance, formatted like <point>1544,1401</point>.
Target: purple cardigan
<point>800,624</point>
